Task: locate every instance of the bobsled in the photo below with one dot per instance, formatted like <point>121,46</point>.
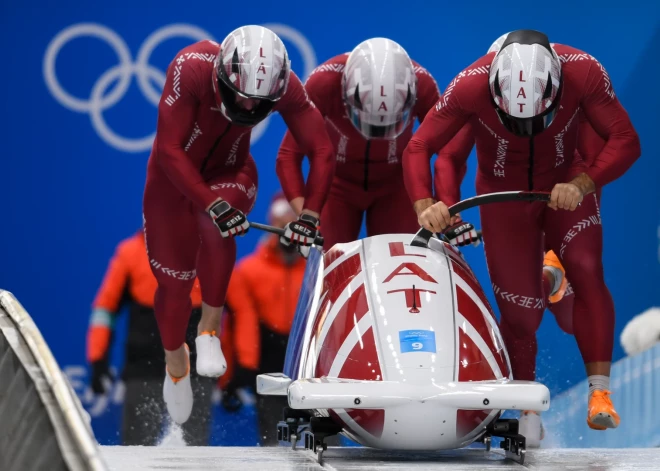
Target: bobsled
<point>395,346</point>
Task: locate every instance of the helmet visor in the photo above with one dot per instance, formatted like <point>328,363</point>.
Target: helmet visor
<point>233,104</point>
<point>369,125</point>
<point>526,127</point>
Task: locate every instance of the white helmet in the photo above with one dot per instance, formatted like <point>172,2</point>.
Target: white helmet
<point>525,82</point>
<point>379,88</point>
<point>252,63</point>
<point>497,44</point>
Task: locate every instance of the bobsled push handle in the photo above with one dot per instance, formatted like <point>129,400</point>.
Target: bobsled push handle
<point>423,236</point>
<point>279,231</point>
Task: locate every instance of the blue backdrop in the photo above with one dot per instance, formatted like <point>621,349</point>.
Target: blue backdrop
<point>79,85</point>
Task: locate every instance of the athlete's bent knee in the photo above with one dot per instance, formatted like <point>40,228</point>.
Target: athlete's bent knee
<point>522,325</point>
<point>583,266</point>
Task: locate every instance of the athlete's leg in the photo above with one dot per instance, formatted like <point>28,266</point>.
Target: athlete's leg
<point>513,245</point>
<point>563,310</point>
<point>172,243</point>
<point>215,264</point>
<point>341,216</point>
<point>558,292</point>
<point>577,238</point>
<point>217,254</point>
<point>392,213</point>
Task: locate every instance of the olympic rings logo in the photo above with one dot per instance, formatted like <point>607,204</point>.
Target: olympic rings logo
<point>100,100</point>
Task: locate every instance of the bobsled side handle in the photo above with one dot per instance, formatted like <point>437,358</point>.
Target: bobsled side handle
<point>499,197</point>
<point>423,236</point>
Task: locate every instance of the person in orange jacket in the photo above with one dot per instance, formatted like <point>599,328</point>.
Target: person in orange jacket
<point>129,282</point>
<point>262,297</point>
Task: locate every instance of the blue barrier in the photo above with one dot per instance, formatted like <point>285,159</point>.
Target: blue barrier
<point>635,383</point>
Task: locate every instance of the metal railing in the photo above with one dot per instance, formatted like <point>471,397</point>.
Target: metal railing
<point>44,426</point>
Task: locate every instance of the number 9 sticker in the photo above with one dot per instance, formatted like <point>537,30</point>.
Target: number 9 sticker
<point>417,341</point>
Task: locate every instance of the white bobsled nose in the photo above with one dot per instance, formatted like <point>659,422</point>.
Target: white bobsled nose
<point>642,332</point>
<point>178,397</point>
<point>529,426</point>
<point>210,360</point>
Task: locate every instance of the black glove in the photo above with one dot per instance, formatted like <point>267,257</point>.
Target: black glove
<point>102,379</point>
<point>301,233</point>
<point>229,220</point>
<point>462,233</point>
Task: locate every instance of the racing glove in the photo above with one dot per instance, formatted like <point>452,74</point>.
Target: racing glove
<point>102,379</point>
<point>461,234</point>
<point>230,221</point>
<point>301,233</point>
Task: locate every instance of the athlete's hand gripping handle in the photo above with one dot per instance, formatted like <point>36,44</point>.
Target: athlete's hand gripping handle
<point>230,221</point>
<point>301,233</point>
<point>423,236</point>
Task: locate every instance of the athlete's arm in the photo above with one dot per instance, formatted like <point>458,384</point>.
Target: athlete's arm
<point>289,170</point>
<point>610,120</point>
<point>451,166</point>
<point>176,118</point>
<point>308,136</point>
<point>440,125</point>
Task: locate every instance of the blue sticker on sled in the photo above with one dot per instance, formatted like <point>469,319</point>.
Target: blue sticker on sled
<point>417,341</point>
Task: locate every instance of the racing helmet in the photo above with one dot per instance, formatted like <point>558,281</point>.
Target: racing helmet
<point>379,88</point>
<point>525,83</point>
<point>252,63</point>
<point>496,46</point>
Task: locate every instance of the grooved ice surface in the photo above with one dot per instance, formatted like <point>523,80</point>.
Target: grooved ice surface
<point>362,459</point>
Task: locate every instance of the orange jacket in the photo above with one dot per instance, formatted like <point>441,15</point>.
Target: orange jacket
<point>263,290</point>
<point>128,275</point>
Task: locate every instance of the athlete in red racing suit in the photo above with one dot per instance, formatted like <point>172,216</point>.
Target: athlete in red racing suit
<point>452,161</point>
<point>201,160</point>
<point>541,161</point>
<point>562,302</point>
<point>368,177</point>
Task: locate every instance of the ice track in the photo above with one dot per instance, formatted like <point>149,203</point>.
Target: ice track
<point>361,459</point>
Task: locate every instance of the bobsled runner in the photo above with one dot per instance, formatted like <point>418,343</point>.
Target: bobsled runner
<point>395,346</point>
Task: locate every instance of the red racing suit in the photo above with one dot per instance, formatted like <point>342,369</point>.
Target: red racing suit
<point>368,176</point>
<point>590,143</point>
<point>453,159</point>
<point>198,155</point>
<point>514,232</point>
